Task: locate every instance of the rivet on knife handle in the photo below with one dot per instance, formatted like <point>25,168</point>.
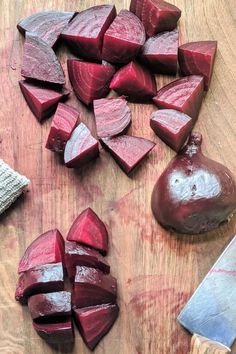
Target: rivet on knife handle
<point>202,345</point>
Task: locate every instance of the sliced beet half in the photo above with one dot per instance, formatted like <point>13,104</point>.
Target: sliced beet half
<point>47,25</point>
<point>40,62</point>
<point>42,100</point>
<point>81,148</point>
<point>86,31</point>
<point>184,95</point>
<point>128,151</point>
<point>95,322</point>
<point>173,127</point>
<point>197,58</point>
<point>124,38</point>
<point>90,81</point>
<point>62,126</point>
<point>56,332</point>
<point>160,52</point>
<point>112,116</point>
<point>135,82</point>
<point>93,287</point>
<point>89,230</point>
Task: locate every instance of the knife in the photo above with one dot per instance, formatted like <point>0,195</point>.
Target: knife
<point>210,314</point>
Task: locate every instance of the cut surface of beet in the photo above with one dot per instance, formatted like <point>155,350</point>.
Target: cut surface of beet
<point>63,124</point>
<point>95,322</point>
<point>90,81</point>
<point>85,32</point>
<point>58,332</point>
<point>184,95</point>
<point>40,62</point>
<point>134,81</point>
<point>112,116</point>
<point>81,148</point>
<point>197,58</point>
<point>124,38</point>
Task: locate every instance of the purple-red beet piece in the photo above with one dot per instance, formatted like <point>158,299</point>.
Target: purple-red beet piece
<point>184,95</point>
<point>85,32</point>
<point>93,287</point>
<point>89,230</point>
<point>135,82</point>
<point>95,322</point>
<point>63,124</point>
<point>19,293</point>
<point>197,58</point>
<point>90,81</point>
<point>81,148</point>
<point>58,332</point>
<point>173,127</point>
<point>124,38</point>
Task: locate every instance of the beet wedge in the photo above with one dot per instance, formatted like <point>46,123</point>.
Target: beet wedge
<point>184,95</point>
<point>81,148</point>
<point>95,322</point>
<point>124,38</point>
<point>56,332</point>
<point>40,62</point>
<point>197,58</point>
<point>128,151</point>
<point>93,287</point>
<point>90,81</point>
<point>62,126</point>
<point>134,81</point>
<point>42,23</point>
<point>86,31</point>
<point>173,127</point>
<point>42,100</point>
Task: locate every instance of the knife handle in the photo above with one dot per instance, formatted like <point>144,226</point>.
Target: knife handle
<point>202,345</point>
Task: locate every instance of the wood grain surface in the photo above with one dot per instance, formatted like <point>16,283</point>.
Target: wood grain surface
<point>157,271</point>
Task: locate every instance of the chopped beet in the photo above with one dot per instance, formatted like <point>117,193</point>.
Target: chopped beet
<point>197,58</point>
<point>94,322</point>
<point>128,151</point>
<point>40,62</point>
<point>19,293</point>
<point>85,32</point>
<point>135,82</point>
<point>184,95</point>
<point>90,81</point>
<point>112,116</point>
<point>42,100</point>
<point>160,52</point>
<point>89,230</point>
<point>124,38</point>
<point>63,124</point>
<point>58,332</point>
<point>173,127</point>
<point>47,25</point>
<point>93,287</point>
<point>81,148</point>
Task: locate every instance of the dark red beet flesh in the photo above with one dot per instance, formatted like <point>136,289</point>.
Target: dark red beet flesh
<point>173,127</point>
<point>184,95</point>
<point>58,332</point>
<point>194,194</point>
<point>40,62</point>
<point>89,230</point>
<point>197,58</point>
<point>93,287</point>
<point>63,124</point>
<point>124,38</point>
<point>90,81</point>
<point>135,82</point>
<point>81,148</point>
<point>95,322</point>
<point>112,116</point>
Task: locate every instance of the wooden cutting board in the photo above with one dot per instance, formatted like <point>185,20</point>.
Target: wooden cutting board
<point>157,271</point>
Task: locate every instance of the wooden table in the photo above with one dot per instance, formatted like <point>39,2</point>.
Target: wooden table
<point>157,271</point>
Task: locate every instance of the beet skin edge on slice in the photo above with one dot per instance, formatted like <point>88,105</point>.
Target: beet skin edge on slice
<point>56,332</point>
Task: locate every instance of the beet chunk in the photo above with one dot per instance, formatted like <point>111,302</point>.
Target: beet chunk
<point>63,124</point>
<point>93,287</point>
<point>85,32</point>
<point>19,293</point>
<point>58,332</point>
<point>197,58</point>
<point>95,322</point>
<point>124,38</point>
<point>135,82</point>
